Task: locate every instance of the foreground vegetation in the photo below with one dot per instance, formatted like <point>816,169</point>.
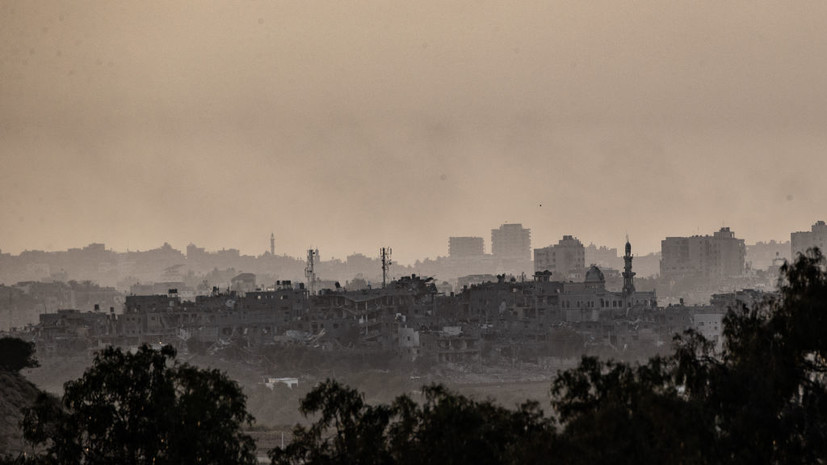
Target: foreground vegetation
<point>762,400</point>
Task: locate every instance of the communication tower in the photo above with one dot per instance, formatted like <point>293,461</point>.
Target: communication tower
<point>386,263</point>
<point>309,270</point>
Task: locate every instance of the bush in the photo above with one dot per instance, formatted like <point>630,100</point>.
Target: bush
<point>16,354</point>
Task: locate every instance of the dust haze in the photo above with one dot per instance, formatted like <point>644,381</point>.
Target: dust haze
<point>346,126</point>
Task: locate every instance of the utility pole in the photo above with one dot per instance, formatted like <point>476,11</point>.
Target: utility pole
<point>386,264</point>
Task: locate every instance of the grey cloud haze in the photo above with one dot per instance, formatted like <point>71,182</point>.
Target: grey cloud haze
<point>352,125</point>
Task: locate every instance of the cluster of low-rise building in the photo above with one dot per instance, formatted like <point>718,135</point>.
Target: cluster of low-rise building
<point>565,306</point>
<point>538,316</point>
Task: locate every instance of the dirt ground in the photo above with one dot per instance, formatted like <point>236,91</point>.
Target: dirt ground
<point>508,386</point>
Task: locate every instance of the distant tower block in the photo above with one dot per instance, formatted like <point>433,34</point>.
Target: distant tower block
<point>272,244</point>
<point>511,241</point>
<point>310,270</point>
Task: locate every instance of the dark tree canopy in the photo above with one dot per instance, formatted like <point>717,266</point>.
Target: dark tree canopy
<point>762,400</point>
<point>143,408</point>
<point>16,354</point>
<point>446,428</point>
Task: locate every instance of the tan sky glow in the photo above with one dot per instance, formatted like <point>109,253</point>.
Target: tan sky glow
<point>349,126</point>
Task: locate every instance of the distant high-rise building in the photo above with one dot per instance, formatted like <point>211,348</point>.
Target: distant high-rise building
<point>465,247</point>
<point>603,257</point>
<point>763,255</point>
<point>193,251</point>
<point>511,241</point>
<point>566,260</point>
<point>803,240</point>
<point>718,256</point>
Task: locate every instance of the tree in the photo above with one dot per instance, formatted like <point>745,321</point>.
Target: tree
<point>347,430</point>
<point>16,354</point>
<point>769,393</point>
<point>446,429</point>
<point>449,428</point>
<point>762,400</point>
<point>635,413</point>
<point>143,408</point>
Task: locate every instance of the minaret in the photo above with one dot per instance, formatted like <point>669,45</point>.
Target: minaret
<point>628,274</point>
<point>272,244</point>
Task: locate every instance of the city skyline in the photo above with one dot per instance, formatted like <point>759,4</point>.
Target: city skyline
<point>350,127</point>
<point>486,247</point>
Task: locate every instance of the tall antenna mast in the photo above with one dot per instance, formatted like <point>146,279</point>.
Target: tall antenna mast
<point>309,271</point>
<point>386,264</point>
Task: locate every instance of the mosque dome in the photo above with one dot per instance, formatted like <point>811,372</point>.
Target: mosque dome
<point>594,275</point>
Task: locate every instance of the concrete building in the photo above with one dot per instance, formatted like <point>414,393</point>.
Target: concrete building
<point>715,257</point>
<point>751,298</point>
<point>710,324</point>
<point>244,282</point>
<point>802,240</point>
<point>69,329</point>
<point>763,255</point>
<point>566,260</point>
<point>603,257</point>
<point>590,300</point>
<point>505,300</point>
<point>469,280</point>
<point>451,345</point>
<point>465,247</point>
<point>511,241</point>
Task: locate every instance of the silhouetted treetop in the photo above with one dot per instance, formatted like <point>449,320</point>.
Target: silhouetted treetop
<point>143,408</point>
<point>16,354</point>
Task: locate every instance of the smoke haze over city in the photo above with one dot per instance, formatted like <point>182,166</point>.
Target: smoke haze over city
<point>348,126</point>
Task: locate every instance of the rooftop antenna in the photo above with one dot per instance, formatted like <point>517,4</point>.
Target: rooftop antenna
<point>386,263</point>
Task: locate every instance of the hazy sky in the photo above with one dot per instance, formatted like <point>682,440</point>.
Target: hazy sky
<point>351,125</point>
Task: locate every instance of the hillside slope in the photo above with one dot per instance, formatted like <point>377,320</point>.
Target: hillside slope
<point>16,393</point>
